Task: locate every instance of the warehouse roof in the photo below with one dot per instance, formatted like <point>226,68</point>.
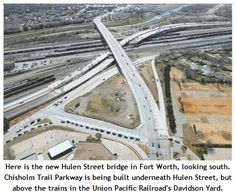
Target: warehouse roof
<point>59,148</point>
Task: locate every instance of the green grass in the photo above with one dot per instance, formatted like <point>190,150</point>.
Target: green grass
<point>130,21</point>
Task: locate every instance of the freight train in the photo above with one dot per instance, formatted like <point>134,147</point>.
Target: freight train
<point>27,84</point>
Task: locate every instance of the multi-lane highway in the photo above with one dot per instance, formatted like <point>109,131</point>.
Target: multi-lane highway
<point>175,27</point>
<point>56,114</point>
<point>17,107</point>
<point>25,103</point>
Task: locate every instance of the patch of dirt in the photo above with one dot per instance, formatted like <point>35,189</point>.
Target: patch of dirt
<point>111,101</point>
<point>148,77</point>
<point>206,107</point>
<point>215,105</point>
<point>177,75</point>
<point>92,151</point>
<point>190,138</point>
<point>145,148</point>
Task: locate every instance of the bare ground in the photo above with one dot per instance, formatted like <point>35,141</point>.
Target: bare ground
<point>113,100</point>
<point>206,107</point>
<point>92,151</point>
<point>148,77</point>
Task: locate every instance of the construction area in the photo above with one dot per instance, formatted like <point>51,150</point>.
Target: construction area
<point>113,100</point>
<point>204,110</point>
<point>116,104</point>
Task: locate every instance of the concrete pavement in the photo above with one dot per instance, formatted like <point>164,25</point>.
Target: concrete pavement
<point>152,125</point>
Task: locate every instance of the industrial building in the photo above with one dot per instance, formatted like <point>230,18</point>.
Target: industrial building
<point>60,149</point>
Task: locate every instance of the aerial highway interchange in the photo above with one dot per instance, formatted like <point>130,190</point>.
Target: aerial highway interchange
<point>153,128</point>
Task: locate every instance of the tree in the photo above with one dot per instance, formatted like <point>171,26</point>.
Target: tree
<point>170,112</point>
<point>6,124</point>
<point>98,136</point>
<point>203,81</point>
<point>25,28</point>
<point>188,73</point>
<point>194,128</point>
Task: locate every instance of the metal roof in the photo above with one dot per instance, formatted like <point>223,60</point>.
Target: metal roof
<point>59,148</point>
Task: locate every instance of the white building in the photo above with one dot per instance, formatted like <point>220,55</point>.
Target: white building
<point>60,149</point>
